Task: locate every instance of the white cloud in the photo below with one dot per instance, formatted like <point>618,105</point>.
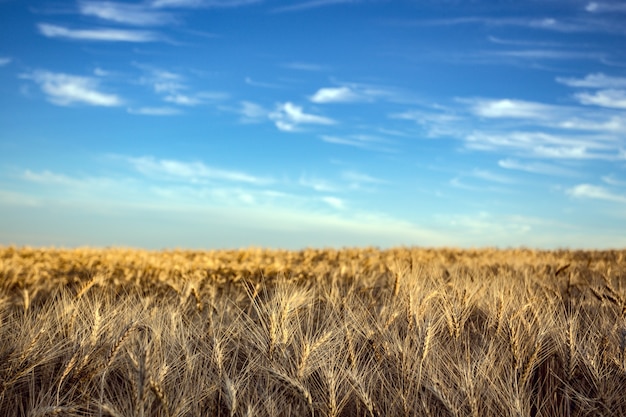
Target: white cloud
<point>47,177</point>
<point>173,88</point>
<point>311,4</point>
<point>535,167</point>
<point>288,117</point>
<point>131,14</point>
<point>5,61</point>
<point>597,80</point>
<point>252,112</point>
<point>544,145</point>
<point>335,95</point>
<point>260,84</point>
<point>194,172</point>
<point>105,35</point>
<point>155,111</point>
<point>595,192</point>
<point>487,224</point>
<point>611,180</point>
<point>203,3</point>
<point>436,124</point>
<point>551,24</point>
<point>372,143</point>
<point>334,202</point>
<point>182,100</point>
<point>357,178</point>
<point>51,178</point>
<point>305,66</point>
<point>490,176</point>
<point>595,7</point>
<point>64,89</point>
<point>317,184</point>
<point>508,108</point>
<point>615,124</point>
<point>605,98</point>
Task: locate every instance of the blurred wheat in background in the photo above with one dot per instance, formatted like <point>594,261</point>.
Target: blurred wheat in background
<point>367,332</point>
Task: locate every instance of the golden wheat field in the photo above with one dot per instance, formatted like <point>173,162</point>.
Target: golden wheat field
<point>353,332</point>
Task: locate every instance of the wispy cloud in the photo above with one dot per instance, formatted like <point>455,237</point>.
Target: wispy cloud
<point>317,184</point>
<point>334,202</point>
<point>84,183</point>
<point>155,111</point>
<point>372,143</point>
<point>64,90</point>
<point>544,145</point>
<point>436,123</point>
<point>252,112</point>
<point>305,66</point>
<point>611,180</point>
<point>595,192</point>
<point>194,172</point>
<point>535,167</point>
<point>174,89</point>
<point>312,4</point>
<point>615,99</point>
<point>486,175</point>
<point>597,80</point>
<point>510,108</point>
<point>357,179</point>
<point>130,14</point>
<point>5,61</point>
<point>336,95</point>
<point>565,25</point>
<point>546,54</point>
<point>100,34</point>
<point>603,7</point>
<point>288,117</point>
<point>260,84</point>
<point>202,3</point>
<point>357,92</point>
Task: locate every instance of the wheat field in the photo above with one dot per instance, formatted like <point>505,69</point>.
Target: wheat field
<point>353,332</point>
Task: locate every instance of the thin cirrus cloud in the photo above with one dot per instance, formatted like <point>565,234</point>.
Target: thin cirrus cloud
<point>98,35</point>
<point>202,3</point>
<point>595,192</point>
<point>596,80</point>
<point>615,99</point>
<point>288,117</point>
<point>508,108</point>
<point>129,14</point>
<point>5,61</point>
<point>547,23</point>
<point>251,112</point>
<point>194,172</point>
<point>334,202</point>
<point>317,184</point>
<point>335,95</point>
<point>305,66</point>
<point>611,180</point>
<point>173,88</point>
<point>64,89</point>
<point>535,167</point>
<point>367,142</point>
<point>595,7</point>
<point>312,4</point>
<point>543,145</point>
<point>486,175</point>
<point>155,111</point>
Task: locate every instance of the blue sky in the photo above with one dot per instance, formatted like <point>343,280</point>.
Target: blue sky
<point>327,123</point>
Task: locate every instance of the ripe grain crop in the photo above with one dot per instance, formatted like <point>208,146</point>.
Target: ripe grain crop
<point>352,332</point>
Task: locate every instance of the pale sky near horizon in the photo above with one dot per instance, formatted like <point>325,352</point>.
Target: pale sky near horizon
<point>313,123</point>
